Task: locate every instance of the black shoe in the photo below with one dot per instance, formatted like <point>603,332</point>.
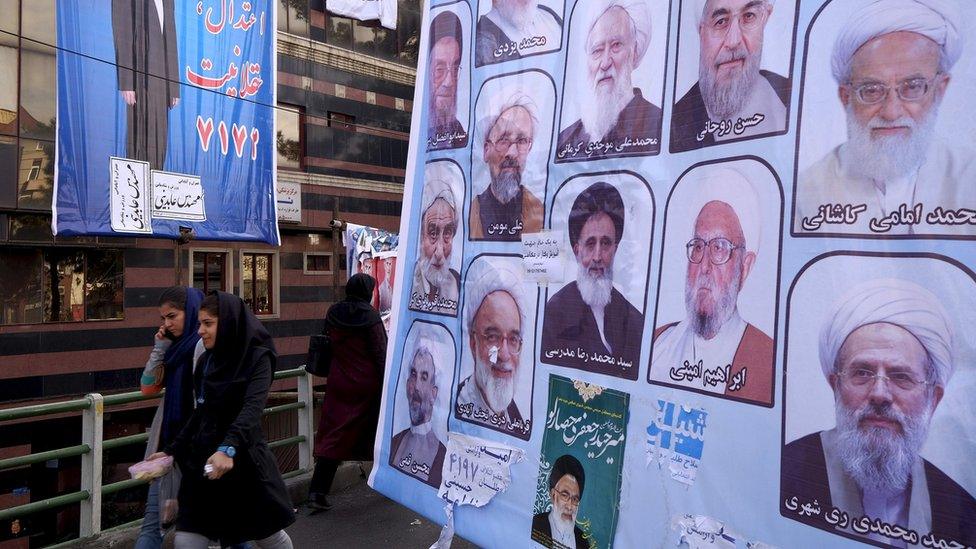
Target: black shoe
<point>318,502</point>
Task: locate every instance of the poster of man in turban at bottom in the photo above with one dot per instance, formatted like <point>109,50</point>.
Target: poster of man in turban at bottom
<point>878,401</point>
<point>582,456</point>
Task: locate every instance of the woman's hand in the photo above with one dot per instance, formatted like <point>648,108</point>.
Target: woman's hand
<point>157,455</point>
<point>221,465</point>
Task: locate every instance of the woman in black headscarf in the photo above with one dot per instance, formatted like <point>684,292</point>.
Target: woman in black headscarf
<point>232,490</point>
<point>352,399</point>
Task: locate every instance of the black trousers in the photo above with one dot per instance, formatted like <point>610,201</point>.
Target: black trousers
<point>325,471</point>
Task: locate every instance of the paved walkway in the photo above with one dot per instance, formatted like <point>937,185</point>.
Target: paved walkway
<point>363,518</point>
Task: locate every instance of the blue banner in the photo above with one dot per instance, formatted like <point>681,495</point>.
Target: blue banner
<point>166,119</point>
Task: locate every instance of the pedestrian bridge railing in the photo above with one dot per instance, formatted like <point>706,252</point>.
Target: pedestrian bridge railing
<point>93,446</point>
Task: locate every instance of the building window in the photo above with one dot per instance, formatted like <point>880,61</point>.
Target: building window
<point>338,31</point>
<point>36,187</point>
<point>293,16</point>
<point>318,263</point>
<point>290,139</point>
<point>210,270</point>
<point>60,285</point>
<point>258,281</point>
<point>342,121</point>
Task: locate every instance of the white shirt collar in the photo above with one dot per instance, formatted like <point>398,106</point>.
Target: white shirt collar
<point>159,12</point>
<point>420,430</point>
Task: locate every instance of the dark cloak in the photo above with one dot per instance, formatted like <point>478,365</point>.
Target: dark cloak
<point>178,378</point>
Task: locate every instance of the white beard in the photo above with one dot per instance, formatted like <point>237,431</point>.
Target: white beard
<point>498,392</point>
<point>595,290</point>
<point>725,100</point>
<point>564,526</point>
<point>708,325</point>
<point>520,17</point>
<point>506,186</point>
<point>438,277</point>
<point>876,458</point>
<point>599,110</point>
<point>886,157</point>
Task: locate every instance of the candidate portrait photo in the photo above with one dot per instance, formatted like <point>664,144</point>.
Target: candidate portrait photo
<point>594,320</point>
<point>435,285</point>
<point>878,400</point>
<point>733,71</point>
<point>509,30</point>
<point>716,307</point>
<point>614,80</point>
<point>885,135</point>
<point>447,73</point>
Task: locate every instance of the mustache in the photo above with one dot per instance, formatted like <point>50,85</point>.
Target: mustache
<point>510,163</point>
<point>878,123</point>
<point>738,54</point>
<point>884,411</point>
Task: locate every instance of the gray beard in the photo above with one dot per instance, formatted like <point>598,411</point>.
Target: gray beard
<point>599,111</point>
<point>708,325</point>
<point>420,412</point>
<point>436,277</point>
<point>725,100</point>
<point>506,186</point>
<point>595,290</point>
<point>887,157</point>
<point>441,117</point>
<point>877,459</point>
<point>498,392</point>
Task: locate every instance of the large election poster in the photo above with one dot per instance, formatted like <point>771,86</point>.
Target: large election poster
<point>166,119</point>
<point>688,273</point>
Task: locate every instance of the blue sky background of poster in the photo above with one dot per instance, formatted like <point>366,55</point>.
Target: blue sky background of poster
<point>738,482</point>
<point>238,191</point>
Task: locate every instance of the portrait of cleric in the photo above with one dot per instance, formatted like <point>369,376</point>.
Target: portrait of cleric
<point>716,304</point>
<point>596,320</point>
<point>878,153</point>
<point>611,108</point>
<point>514,29</point>
<point>435,286</point>
<point>733,66</point>
<point>509,157</point>
<point>448,88</point>
<point>889,354</point>
<point>557,528</point>
<point>417,448</point>
<point>496,363</point>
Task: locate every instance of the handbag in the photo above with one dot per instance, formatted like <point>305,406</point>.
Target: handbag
<point>319,355</point>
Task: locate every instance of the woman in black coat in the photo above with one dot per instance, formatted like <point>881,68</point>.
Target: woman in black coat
<point>232,490</point>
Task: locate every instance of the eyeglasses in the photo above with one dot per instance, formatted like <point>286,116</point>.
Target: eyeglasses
<point>503,144</point>
<point>751,18</point>
<point>441,69</point>
<point>568,498</point>
<point>435,233</point>
<point>719,250</point>
<point>863,377</point>
<point>495,339</point>
<point>911,89</point>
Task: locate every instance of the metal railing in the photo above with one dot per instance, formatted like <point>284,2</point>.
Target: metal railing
<point>92,408</point>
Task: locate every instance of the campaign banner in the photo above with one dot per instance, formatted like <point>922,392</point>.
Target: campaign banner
<point>366,10</point>
<point>735,233</point>
<point>166,119</point>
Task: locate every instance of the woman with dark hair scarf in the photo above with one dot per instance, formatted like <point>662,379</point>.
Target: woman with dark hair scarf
<point>351,410</point>
<point>232,490</point>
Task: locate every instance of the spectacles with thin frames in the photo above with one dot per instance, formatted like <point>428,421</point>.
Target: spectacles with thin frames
<point>503,144</point>
<point>863,377</point>
<point>719,250</point>
<point>495,339</point>
<point>910,90</point>
<point>568,498</point>
<point>440,70</point>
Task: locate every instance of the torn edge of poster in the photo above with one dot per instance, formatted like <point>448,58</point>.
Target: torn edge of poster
<point>476,469</point>
<point>676,437</point>
<point>703,532</point>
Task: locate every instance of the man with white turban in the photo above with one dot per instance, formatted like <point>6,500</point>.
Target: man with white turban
<point>507,124</point>
<point>495,319</point>
<point>892,63</point>
<point>733,97</point>
<point>435,284</point>
<point>713,349</point>
<point>886,349</point>
<point>514,28</point>
<point>615,119</point>
<point>416,450</point>
<point>588,323</point>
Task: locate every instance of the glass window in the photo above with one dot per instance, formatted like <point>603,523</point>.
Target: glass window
<point>103,285</point>
<point>21,295</point>
<point>209,271</point>
<point>386,43</point>
<point>283,15</point>
<point>8,82</point>
<point>9,16</point>
<point>36,175</point>
<point>64,286</point>
<point>257,280</point>
<point>293,16</point>
<point>291,150</point>
<point>31,228</point>
<point>318,263</point>
<point>8,172</point>
<point>38,22</point>
<point>363,38</point>
<point>338,31</point>
<point>37,91</point>
<point>408,36</point>
<point>342,121</point>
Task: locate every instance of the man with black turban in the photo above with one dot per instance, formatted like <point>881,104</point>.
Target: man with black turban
<point>588,321</point>
<point>557,528</point>
<point>444,131</point>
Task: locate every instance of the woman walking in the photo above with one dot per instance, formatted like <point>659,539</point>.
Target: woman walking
<point>232,490</point>
<point>351,410</point>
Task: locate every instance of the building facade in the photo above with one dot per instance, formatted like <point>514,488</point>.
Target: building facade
<point>77,315</point>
